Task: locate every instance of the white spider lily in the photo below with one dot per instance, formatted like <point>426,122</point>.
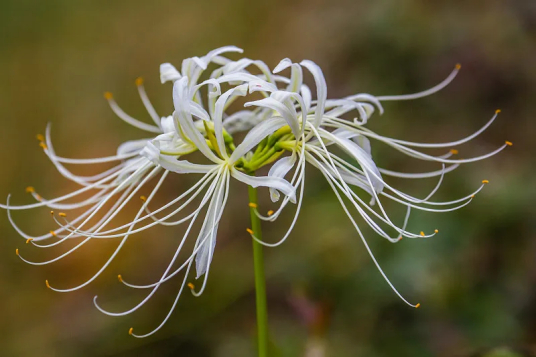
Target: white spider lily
<point>323,131</point>
<point>286,119</point>
<point>143,160</point>
<point>217,174</point>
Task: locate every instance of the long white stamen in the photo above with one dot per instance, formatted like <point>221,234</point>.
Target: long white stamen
<point>72,194</point>
<point>123,241</point>
<point>425,93</point>
<point>147,103</point>
<point>127,118</point>
<point>82,224</point>
<point>357,202</point>
<point>367,246</point>
<point>155,287</point>
<point>70,227</point>
<point>106,234</point>
<point>199,244</point>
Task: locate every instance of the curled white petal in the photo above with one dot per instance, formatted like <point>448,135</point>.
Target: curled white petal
<point>280,169</point>
<point>265,181</point>
<point>168,73</point>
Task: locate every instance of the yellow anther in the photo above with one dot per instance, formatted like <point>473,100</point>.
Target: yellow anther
<point>400,238</point>
<point>53,233</point>
<point>458,66</point>
<point>40,137</point>
<point>252,205</point>
<point>30,189</point>
<point>417,306</point>
<point>143,198</point>
<point>43,145</point>
<point>472,196</point>
<point>422,234</point>
<point>130,331</point>
<point>191,286</point>
<point>485,181</point>
<point>51,213</point>
<point>497,111</point>
<point>61,214</point>
<point>139,81</point>
<point>120,278</point>
<point>29,240</point>
<point>249,231</point>
<point>47,284</point>
<point>436,231</point>
<point>108,95</point>
<point>509,143</point>
<point>17,251</point>
<point>270,212</point>
<point>454,152</point>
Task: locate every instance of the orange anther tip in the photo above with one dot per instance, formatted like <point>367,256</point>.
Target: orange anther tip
<point>29,240</point>
<point>485,181</point>
<point>139,81</point>
<point>497,111</point>
<point>30,189</point>
<point>509,143</point>
<point>472,196</point>
<point>130,331</point>
<point>249,231</point>
<point>108,95</point>
<point>454,152</point>
<point>458,66</point>
<point>422,234</point>
<point>418,305</point>
<point>120,278</point>
<point>61,214</point>
<point>17,251</point>
<point>43,145</point>
<point>400,238</point>
<point>191,286</point>
<point>53,233</point>
<point>47,284</point>
<point>252,205</point>
<point>143,198</point>
<point>436,231</point>
<point>270,212</point>
<point>40,137</point>
<point>52,212</point>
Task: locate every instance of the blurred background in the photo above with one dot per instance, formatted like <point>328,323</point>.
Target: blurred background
<point>476,280</point>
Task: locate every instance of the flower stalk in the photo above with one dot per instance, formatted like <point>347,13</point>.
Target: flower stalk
<point>260,280</point>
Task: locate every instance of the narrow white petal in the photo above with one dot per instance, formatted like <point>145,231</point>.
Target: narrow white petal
<point>168,73</point>
<point>218,114</point>
<point>182,166</point>
<point>321,89</point>
<point>280,108</point>
<point>280,169</point>
<point>183,114</point>
<point>277,183</point>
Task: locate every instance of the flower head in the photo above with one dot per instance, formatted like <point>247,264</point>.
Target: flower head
<point>286,129</point>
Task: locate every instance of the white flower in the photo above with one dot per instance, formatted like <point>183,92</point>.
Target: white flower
<point>189,129</point>
<point>323,135</point>
<point>287,119</point>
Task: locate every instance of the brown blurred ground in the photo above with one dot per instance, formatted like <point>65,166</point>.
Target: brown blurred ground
<point>476,281</point>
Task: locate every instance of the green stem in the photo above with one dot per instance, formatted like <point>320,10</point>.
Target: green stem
<point>260,281</point>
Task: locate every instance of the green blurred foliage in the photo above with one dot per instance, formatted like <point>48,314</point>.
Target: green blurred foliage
<point>476,280</point>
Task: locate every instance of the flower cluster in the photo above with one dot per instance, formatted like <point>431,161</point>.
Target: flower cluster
<point>288,126</point>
